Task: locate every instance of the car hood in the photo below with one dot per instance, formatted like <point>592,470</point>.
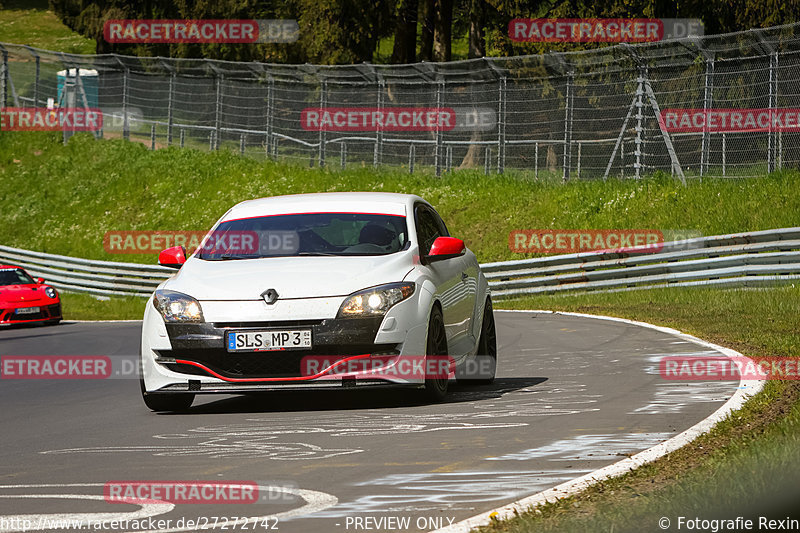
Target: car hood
<point>21,293</point>
<point>291,277</point>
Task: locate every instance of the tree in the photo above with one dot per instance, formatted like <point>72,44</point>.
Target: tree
<point>405,32</point>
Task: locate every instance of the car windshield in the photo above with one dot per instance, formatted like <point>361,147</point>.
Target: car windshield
<point>14,276</point>
<point>307,234</point>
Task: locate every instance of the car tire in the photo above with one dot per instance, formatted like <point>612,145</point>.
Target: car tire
<point>436,345</point>
<point>175,402</point>
<point>168,402</point>
<point>486,353</point>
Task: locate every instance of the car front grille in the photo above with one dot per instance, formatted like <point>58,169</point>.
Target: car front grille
<point>273,364</point>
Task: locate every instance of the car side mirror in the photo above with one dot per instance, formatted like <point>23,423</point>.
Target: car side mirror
<point>40,281</point>
<point>173,257</point>
<point>445,248</point>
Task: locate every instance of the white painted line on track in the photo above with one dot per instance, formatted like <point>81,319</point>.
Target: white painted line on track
<point>747,388</point>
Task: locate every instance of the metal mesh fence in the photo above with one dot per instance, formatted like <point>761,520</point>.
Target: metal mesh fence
<point>577,115</point>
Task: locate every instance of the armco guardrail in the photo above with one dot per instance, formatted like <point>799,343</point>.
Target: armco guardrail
<point>103,278</point>
<point>738,259</point>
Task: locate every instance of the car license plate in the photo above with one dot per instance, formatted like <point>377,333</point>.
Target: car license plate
<point>267,340</point>
<point>27,310</point>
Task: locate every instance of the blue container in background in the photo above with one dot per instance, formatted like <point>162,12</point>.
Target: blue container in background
<point>69,91</point>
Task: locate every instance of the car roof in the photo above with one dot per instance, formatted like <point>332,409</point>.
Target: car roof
<point>330,202</point>
<point>15,267</point>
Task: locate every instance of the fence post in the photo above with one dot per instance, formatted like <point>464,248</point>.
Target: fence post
<point>439,137</point>
<point>37,60</point>
<point>708,95</point>
<point>170,103</point>
<point>568,125</point>
<point>411,157</point>
<point>723,155</point>
<point>487,160</point>
<point>220,80</point>
<point>773,97</point>
<point>126,128</point>
<point>323,102</point>
<point>448,160</point>
<point>536,160</point>
<point>376,155</point>
<point>578,170</point>
<point>270,96</point>
<point>638,141</point>
<point>4,80</point>
<point>343,155</point>
<point>183,136</point>
<point>241,144</point>
<point>501,125</point>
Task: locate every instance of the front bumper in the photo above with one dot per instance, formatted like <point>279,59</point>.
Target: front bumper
<point>199,349</point>
<point>47,312</point>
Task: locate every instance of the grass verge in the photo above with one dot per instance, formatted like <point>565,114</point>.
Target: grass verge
<point>746,466</point>
<point>63,199</point>
<point>32,22</point>
<point>78,306</point>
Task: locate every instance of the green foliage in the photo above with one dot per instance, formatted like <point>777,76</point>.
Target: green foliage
<point>63,199</point>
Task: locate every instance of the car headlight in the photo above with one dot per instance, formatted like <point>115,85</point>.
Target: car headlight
<point>50,292</point>
<point>177,307</point>
<point>375,301</point>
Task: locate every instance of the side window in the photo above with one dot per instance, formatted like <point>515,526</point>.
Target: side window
<point>428,228</point>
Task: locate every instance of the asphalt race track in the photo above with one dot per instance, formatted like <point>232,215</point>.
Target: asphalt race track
<point>572,395</point>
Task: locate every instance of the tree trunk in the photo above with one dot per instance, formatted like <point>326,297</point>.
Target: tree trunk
<point>405,32</point>
<point>443,29</point>
<point>426,36</point>
<point>477,21</point>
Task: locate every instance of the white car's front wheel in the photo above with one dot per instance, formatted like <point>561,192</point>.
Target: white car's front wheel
<point>435,384</point>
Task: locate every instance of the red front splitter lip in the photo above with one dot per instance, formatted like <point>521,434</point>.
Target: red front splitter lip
<point>267,380</point>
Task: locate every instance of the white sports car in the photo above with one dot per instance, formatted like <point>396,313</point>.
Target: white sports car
<point>310,291</point>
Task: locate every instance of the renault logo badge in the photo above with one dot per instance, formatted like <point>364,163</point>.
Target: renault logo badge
<point>270,296</point>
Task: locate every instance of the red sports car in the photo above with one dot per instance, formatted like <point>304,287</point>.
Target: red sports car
<point>25,301</point>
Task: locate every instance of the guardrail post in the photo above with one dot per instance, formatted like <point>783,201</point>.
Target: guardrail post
<point>343,155</point>
<point>376,155</point>
<point>501,124</point>
<point>152,136</point>
<point>211,140</point>
<point>439,137</point>
<point>323,102</point>
<point>183,136</point>
<point>241,143</point>
<point>487,160</point>
<point>578,170</point>
<point>411,157</point>
<point>568,105</point>
<point>536,160</point>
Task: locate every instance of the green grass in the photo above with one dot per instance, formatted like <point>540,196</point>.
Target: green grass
<point>63,199</point>
<point>32,22</point>
<point>85,307</point>
<point>746,466</point>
